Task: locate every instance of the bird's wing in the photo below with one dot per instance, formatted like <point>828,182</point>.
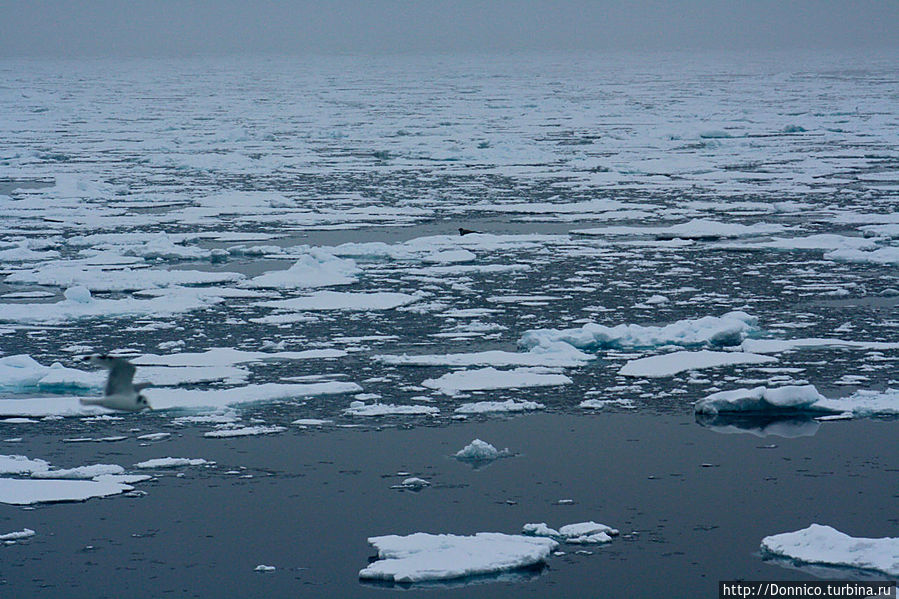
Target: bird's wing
<point>121,375</point>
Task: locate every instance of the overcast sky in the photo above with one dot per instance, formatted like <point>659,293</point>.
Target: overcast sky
<point>186,27</point>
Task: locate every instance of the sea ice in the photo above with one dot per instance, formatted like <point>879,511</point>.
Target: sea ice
<point>12,537</point>
<point>548,354</point>
<point>480,451</point>
<point>422,557</point>
<point>694,229</point>
<point>791,398</point>
<point>316,268</point>
<point>80,472</point>
<point>335,300</point>
<point>726,330</point>
<point>19,464</point>
<point>360,408</point>
<point>164,399</point>
<point>170,462</point>
<point>820,544</point>
<point>580,533</point>
<point>487,407</point>
<point>673,363</point>
<point>244,431</point>
<point>453,383</point>
<point>16,491</point>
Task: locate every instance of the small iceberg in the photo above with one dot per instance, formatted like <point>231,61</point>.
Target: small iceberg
<point>729,329</point>
<point>827,546</point>
<point>791,398</point>
<point>480,452</point>
<point>582,533</point>
<point>422,557</point>
<point>454,383</point>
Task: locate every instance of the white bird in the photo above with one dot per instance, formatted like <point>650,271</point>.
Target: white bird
<point>120,393</point>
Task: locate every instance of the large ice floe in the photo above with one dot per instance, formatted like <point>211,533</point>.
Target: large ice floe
<point>676,362</point>
<point>549,354</point>
<point>454,383</point>
<point>336,300</point>
<point>46,485</point>
<point>709,331</point>
<point>316,268</point>
<point>798,399</point>
<point>826,546</point>
<point>422,557</point>
<point>694,229</point>
<point>360,408</point>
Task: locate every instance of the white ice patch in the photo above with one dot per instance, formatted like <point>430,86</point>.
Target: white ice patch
<point>727,330</point>
<point>12,537</point>
<point>21,372</point>
<point>100,278</point>
<point>226,356</point>
<point>164,399</point>
<point>824,545</point>
<point>244,431</point>
<point>480,451</point>
<point>579,533</point>
<point>865,403</point>
<point>488,407</point>
<point>19,464</point>
<point>454,383</point>
<point>673,363</point>
<point>776,346</point>
<point>316,268</point>
<point>422,557</point>
<point>170,463</point>
<point>694,229</point>
<point>791,398</point>
<point>81,472</point>
<point>548,354</point>
<point>335,300</point>
<point>883,256</point>
<point>360,408</point>
<point>15,491</point>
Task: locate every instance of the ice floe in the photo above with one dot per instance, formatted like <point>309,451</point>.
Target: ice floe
<point>791,398</point>
<point>694,229</point>
<point>480,451</point>
<point>360,408</point>
<point>549,354</point>
<point>726,330</point>
<point>490,407</point>
<point>423,557</point>
<point>317,268</point>
<point>581,533</point>
<point>170,462</point>
<point>454,383</point>
<point>824,545</point>
<point>16,491</point>
<point>335,300</point>
<point>676,362</point>
<point>225,356</point>
<point>81,472</point>
<point>18,535</point>
<point>227,431</point>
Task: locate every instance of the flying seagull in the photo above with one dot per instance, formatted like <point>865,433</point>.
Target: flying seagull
<point>120,393</point>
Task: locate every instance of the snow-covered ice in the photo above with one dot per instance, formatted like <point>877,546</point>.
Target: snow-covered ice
<point>582,533</point>
<point>490,407</point>
<point>17,491</point>
<point>454,383</point>
<point>676,362</point>
<point>791,398</point>
<point>360,408</point>
<point>421,557</point>
<point>824,545</point>
<point>170,462</point>
<point>480,451</point>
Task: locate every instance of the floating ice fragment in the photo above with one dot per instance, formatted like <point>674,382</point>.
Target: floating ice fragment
<point>246,431</point>
<point>359,408</point>
<point>29,491</point>
<point>480,451</point>
<point>80,472</point>
<point>18,535</point>
<point>422,557</point>
<point>170,462</point>
<point>264,568</point>
<point>487,407</point>
<point>791,398</point>
<point>819,544</point>
<point>673,363</point>
<point>490,378</point>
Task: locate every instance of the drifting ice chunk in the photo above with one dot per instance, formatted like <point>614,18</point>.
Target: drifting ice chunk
<point>549,354</point>
<point>19,464</point>
<point>490,378</point>
<point>27,491</point>
<point>421,556</point>
<point>81,472</point>
<point>887,255</point>
<point>21,372</point>
<point>717,331</point>
<point>820,544</point>
<point>694,229</point>
<point>671,364</point>
<point>480,451</point>
<point>580,533</point>
<point>162,399</point>
<point>246,431</point>
<point>791,398</point>
<point>317,268</point>
<point>486,407</point>
<point>11,537</point>
<point>335,300</point>
<point>170,462</point>
<point>360,408</point>
<point>865,403</point>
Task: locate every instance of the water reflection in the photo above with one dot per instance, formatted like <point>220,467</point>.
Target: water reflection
<point>788,426</point>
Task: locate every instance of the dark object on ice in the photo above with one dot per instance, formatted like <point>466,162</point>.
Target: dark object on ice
<point>466,231</point>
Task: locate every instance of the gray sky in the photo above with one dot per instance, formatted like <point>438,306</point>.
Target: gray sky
<point>166,27</point>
